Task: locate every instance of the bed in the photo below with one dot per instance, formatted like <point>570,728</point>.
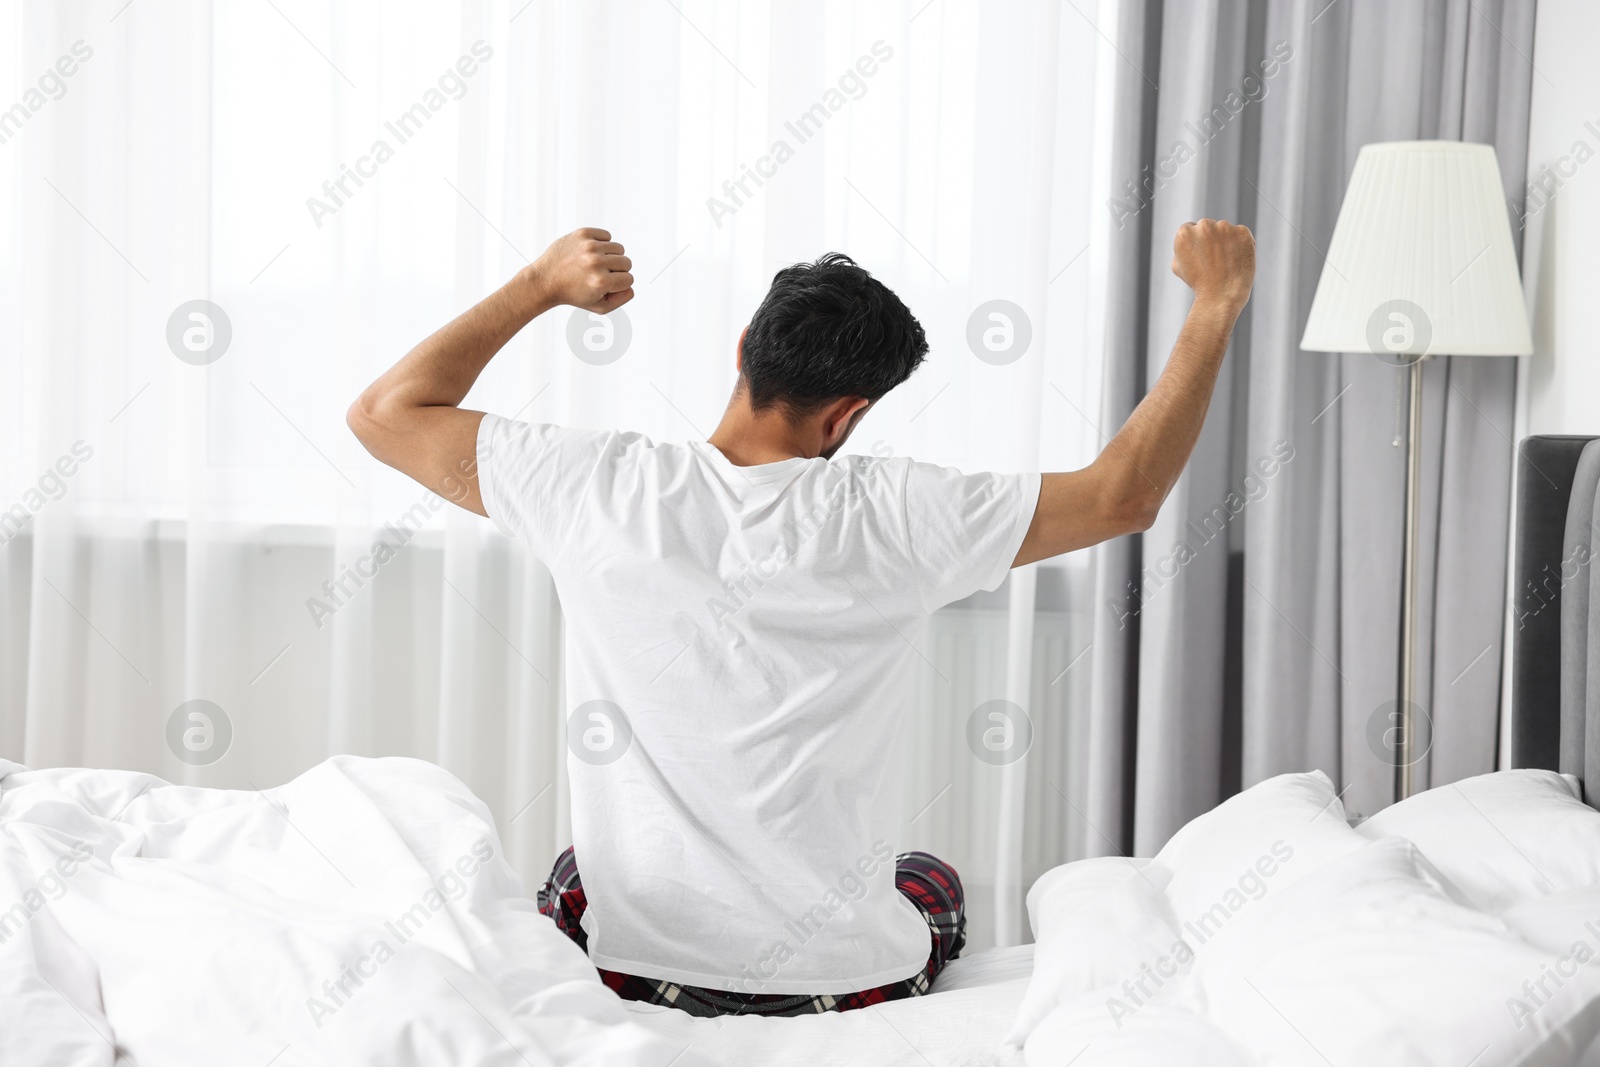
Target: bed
<point>1555,614</point>
<point>363,914</point>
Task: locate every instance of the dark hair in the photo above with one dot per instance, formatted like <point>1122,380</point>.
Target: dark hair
<point>825,330</point>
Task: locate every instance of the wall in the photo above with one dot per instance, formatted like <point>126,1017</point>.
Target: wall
<point>1559,385</point>
<point>1561,260</point>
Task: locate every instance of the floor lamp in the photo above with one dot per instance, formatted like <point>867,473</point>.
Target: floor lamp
<point>1421,264</point>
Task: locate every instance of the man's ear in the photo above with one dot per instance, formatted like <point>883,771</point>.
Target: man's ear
<point>738,353</point>
<point>840,418</point>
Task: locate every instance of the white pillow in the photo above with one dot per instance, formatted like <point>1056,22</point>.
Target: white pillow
<point>1104,922</point>
<point>1502,838</point>
<point>1096,922</point>
<point>1251,846</point>
<point>1371,963</point>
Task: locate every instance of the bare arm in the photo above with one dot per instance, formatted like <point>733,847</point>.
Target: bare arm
<point>410,418</point>
<point>1123,489</point>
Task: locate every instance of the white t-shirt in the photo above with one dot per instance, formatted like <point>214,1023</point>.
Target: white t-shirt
<point>741,649</point>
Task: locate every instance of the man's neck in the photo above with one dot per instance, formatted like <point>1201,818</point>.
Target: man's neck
<point>747,437</point>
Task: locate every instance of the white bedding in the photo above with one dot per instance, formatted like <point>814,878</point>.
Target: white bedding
<point>1267,932</point>
<point>214,927</point>
<point>363,914</point>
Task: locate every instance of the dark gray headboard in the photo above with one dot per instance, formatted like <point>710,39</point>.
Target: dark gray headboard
<point>1555,625</point>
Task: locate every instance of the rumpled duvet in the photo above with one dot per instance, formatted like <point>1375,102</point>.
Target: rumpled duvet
<point>361,914</point>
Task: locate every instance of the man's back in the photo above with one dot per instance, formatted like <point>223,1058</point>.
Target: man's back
<point>744,617</point>
<point>742,644</point>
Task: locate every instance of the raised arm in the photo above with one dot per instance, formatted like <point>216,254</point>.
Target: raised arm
<point>410,418</point>
<point>1123,489</point>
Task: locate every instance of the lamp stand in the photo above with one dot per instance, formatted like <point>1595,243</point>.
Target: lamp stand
<point>1404,746</point>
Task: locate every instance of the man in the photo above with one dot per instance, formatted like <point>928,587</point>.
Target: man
<point>744,616</point>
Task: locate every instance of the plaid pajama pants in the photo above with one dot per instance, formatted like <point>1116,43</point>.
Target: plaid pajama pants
<point>929,883</point>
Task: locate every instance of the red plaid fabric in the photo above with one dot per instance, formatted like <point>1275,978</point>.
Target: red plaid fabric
<point>928,882</point>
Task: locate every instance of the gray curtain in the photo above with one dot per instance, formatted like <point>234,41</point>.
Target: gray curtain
<point>1254,630</point>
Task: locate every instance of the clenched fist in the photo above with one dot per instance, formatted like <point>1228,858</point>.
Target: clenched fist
<point>586,269</point>
<point>1217,260</point>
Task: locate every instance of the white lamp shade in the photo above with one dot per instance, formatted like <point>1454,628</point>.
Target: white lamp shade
<point>1421,261</point>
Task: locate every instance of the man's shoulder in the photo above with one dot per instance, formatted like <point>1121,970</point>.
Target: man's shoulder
<point>879,473</point>
<point>558,434</point>
<point>897,467</point>
<point>881,462</point>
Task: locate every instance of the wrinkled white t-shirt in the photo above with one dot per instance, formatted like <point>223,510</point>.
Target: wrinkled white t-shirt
<point>741,648</point>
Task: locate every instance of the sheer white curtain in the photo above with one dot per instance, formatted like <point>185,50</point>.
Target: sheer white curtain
<point>187,520</point>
